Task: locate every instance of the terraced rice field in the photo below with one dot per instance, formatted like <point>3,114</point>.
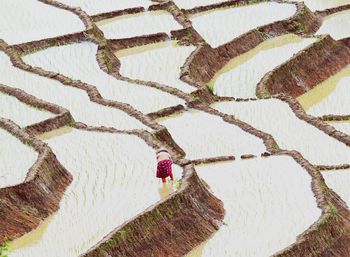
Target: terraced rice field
<point>90,90</point>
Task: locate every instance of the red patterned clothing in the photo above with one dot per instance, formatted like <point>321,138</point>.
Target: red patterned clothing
<point>164,169</point>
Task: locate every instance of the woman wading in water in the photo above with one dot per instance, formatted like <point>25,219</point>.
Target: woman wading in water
<point>164,166</point>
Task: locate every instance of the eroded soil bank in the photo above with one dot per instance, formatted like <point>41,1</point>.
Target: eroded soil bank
<point>24,206</point>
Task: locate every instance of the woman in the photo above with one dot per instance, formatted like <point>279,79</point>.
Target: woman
<point>164,168</point>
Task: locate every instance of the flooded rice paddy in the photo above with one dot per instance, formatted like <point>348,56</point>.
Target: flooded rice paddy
<point>25,22</point>
<point>78,61</point>
<point>244,18</point>
<point>338,181</point>
<point>203,135</point>
<point>330,97</point>
<point>22,114</point>
<point>264,212</point>
<point>241,75</point>
<point>268,201</point>
<point>110,186</point>
<point>337,25</point>
<point>12,170</point>
<point>160,62</point>
<point>75,100</point>
<point>143,24</point>
<point>276,118</point>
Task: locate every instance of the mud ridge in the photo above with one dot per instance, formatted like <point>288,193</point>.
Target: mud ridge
<point>330,235</point>
<point>119,44</point>
<point>298,75</point>
<point>63,117</point>
<point>24,206</point>
<point>321,125</point>
<point>213,160</point>
<point>167,112</point>
<point>333,117</point>
<point>333,167</point>
<point>92,91</point>
<point>172,227</point>
<point>334,10</point>
<point>112,14</point>
<point>205,61</point>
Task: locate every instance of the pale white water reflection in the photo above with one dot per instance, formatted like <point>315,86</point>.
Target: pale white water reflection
<point>73,99</point>
<point>113,181</point>
<point>143,24</point>
<point>239,20</point>
<point>12,170</point>
<point>23,21</point>
<point>78,61</point>
<point>202,135</point>
<point>275,117</point>
<point>21,113</point>
<point>268,203</point>
<point>337,25</point>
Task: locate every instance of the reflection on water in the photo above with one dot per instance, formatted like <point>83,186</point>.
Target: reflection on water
<point>337,25</point>
<point>339,181</point>
<point>13,171</point>
<point>241,75</point>
<point>32,237</point>
<point>166,189</point>
<point>55,133</point>
<point>321,93</point>
<point>145,48</point>
<point>242,19</point>
<point>144,23</point>
<point>159,62</point>
<point>343,126</point>
<point>323,4</point>
<point>268,203</point>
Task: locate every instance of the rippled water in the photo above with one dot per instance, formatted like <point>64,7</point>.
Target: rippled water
<point>142,24</point>
<point>22,114</point>
<point>330,97</point>
<point>339,180</point>
<point>242,19</point>
<point>202,135</point>
<point>99,6</point>
<point>83,66</point>
<point>161,63</point>
<point>13,171</point>
<point>112,183</point>
<point>25,21</point>
<point>276,118</point>
<point>75,100</point>
<point>336,25</point>
<point>268,203</point>
<point>241,75</point>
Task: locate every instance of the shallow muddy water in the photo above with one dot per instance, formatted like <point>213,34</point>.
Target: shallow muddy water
<point>337,25</point>
<point>243,19</point>
<point>339,180</point>
<point>75,100</point>
<point>268,203</point>
<point>112,183</point>
<point>160,62</point>
<point>142,24</point>
<point>25,21</point>
<point>12,170</point>
<point>78,61</point>
<point>277,119</point>
<point>241,75</point>
<point>99,6</point>
<point>330,97</point>
<point>202,135</point>
<point>21,113</point>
